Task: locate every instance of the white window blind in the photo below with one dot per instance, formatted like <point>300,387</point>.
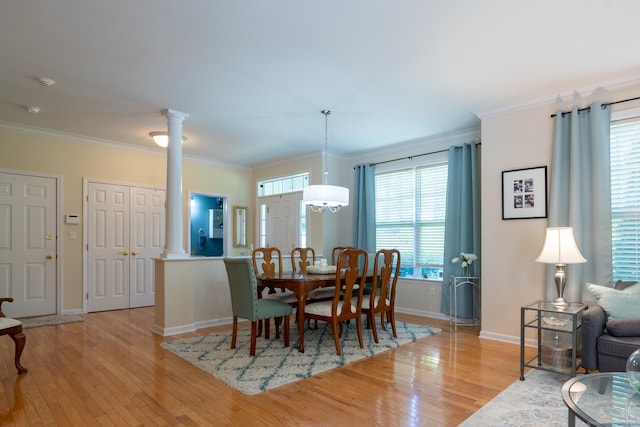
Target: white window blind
<point>625,198</point>
<point>410,209</point>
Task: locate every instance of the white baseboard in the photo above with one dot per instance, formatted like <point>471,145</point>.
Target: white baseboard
<point>165,332</point>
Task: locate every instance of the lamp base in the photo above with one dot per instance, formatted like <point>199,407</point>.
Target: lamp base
<point>561,281</point>
<point>560,302</point>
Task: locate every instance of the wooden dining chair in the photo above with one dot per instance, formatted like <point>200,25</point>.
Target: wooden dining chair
<point>336,251</point>
<point>268,261</point>
<point>301,258</point>
<point>349,284</point>
<point>382,299</point>
<point>13,328</point>
<point>245,303</point>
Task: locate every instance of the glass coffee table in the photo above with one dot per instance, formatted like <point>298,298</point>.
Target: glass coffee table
<point>603,399</point>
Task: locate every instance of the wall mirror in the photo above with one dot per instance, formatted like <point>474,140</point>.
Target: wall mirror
<point>240,226</point>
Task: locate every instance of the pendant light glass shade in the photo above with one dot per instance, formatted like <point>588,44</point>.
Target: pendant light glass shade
<point>325,197</point>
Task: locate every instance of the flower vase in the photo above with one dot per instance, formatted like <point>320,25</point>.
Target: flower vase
<point>465,271</point>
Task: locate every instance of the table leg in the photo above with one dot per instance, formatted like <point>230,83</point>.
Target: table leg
<point>572,419</point>
<point>302,298</point>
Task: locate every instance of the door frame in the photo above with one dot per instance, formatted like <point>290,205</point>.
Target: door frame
<point>85,213</point>
<point>59,230</point>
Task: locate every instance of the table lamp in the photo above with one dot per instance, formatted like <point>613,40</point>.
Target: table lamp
<point>560,248</point>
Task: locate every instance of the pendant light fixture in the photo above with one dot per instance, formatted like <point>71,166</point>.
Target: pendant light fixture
<point>321,198</point>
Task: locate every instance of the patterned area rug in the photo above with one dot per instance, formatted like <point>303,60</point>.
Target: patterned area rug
<point>534,402</point>
<point>55,319</point>
<point>275,365</point>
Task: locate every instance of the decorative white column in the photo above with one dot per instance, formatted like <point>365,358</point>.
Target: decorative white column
<point>173,237</point>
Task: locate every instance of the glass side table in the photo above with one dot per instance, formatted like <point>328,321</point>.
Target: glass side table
<point>557,336</point>
<point>456,283</point>
<point>603,399</point>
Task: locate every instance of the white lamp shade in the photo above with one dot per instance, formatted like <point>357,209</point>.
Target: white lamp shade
<point>325,195</point>
<point>560,247</point>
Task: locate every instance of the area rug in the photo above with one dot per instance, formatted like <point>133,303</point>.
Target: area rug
<point>534,402</point>
<point>275,365</point>
<point>54,319</point>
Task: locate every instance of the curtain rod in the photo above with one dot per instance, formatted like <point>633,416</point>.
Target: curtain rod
<point>603,106</point>
<point>412,157</point>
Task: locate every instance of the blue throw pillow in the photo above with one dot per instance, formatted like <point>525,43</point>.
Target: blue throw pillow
<point>619,304</point>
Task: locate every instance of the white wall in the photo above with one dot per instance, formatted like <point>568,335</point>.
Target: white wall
<point>512,140</point>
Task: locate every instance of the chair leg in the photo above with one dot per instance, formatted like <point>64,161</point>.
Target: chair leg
<point>234,333</point>
<point>374,329</point>
<point>20,341</point>
<point>254,332</point>
<point>267,328</point>
<point>359,329</point>
<point>287,321</point>
<point>336,337</point>
<point>278,322</point>
<point>383,321</point>
<point>392,317</point>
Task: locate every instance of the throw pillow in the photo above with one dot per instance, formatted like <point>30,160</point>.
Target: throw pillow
<point>620,285</point>
<point>623,327</point>
<point>624,304</point>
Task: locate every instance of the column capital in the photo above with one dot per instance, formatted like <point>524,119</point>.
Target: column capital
<point>174,114</point>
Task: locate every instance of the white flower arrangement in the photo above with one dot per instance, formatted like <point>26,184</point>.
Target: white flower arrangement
<point>466,260</point>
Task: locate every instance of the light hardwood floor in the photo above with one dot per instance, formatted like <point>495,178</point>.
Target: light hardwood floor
<point>110,371</point>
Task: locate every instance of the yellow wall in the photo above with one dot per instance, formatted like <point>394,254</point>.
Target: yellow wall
<point>75,160</point>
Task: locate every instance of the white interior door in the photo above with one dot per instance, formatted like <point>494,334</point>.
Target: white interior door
<point>125,231</point>
<point>147,242</point>
<point>283,219</point>
<point>28,248</point>
<point>108,247</point>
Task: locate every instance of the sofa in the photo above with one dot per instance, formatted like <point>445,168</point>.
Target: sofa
<point>611,328</point>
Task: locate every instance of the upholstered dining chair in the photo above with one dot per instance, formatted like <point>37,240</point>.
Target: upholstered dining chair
<point>13,328</point>
<point>245,303</point>
<point>350,282</point>
<point>269,261</point>
<point>301,258</point>
<point>382,299</point>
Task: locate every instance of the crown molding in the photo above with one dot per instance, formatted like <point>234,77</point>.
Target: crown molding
<point>623,82</point>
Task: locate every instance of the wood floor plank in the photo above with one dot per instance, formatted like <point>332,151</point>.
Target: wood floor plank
<point>110,370</point>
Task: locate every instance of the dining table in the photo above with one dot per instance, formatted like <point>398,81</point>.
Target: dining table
<point>301,284</point>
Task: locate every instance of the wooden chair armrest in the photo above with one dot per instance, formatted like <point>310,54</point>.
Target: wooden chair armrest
<point>1,301</point>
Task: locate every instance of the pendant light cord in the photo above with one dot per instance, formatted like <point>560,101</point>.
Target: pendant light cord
<point>326,145</point>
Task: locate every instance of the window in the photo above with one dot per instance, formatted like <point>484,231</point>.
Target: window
<point>625,198</point>
<point>410,213</point>
<point>283,185</point>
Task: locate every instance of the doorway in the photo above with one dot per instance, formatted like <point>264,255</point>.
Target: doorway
<point>207,230</point>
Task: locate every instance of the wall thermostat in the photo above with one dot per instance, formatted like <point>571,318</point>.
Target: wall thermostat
<point>72,219</point>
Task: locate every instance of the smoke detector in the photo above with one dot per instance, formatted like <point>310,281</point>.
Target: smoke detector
<point>33,110</point>
<point>44,81</point>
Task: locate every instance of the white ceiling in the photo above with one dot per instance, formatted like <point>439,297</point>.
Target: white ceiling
<point>253,75</point>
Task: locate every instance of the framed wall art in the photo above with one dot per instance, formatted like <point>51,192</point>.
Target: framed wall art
<point>524,193</point>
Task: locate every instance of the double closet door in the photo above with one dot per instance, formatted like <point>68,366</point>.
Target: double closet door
<point>125,231</point>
